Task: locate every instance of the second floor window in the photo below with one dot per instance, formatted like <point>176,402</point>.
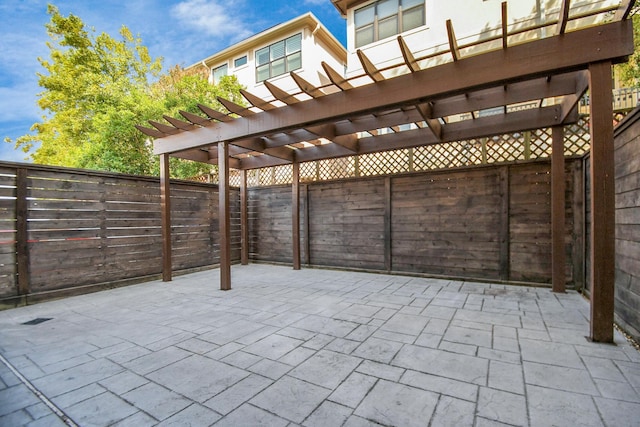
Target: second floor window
<point>279,58</point>
<point>239,62</point>
<point>386,18</point>
<point>219,72</point>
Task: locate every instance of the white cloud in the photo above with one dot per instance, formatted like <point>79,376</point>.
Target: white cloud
<point>211,18</point>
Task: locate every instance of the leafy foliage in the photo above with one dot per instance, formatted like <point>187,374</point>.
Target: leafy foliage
<point>96,88</point>
<point>630,71</point>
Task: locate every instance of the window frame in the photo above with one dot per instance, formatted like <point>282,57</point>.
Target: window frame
<point>241,58</point>
<point>284,61</point>
<point>213,72</point>
<point>373,27</point>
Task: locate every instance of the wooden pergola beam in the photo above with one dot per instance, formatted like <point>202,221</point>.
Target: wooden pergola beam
<point>624,10</point>
<point>563,19</point>
<point>256,101</point>
<point>368,67</point>
<point>481,127</point>
<point>335,77</point>
<point>560,85</point>
<point>539,58</point>
<point>305,86</point>
<point>409,59</point>
<point>426,112</point>
<point>453,42</point>
<point>213,114</point>
<point>505,24</point>
<point>280,94</point>
<point>235,108</point>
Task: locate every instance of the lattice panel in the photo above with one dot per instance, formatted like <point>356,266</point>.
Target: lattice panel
<point>309,172</point>
<point>234,178</point>
<point>540,143</point>
<point>336,168</point>
<point>384,163</point>
<point>505,148</point>
<point>498,149</point>
<point>470,152</point>
<point>577,140</point>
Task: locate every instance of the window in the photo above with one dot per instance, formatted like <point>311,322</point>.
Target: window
<point>219,72</point>
<point>279,58</point>
<point>385,18</point>
<point>239,62</point>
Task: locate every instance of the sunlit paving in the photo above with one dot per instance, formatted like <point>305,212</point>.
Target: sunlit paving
<point>317,348</point>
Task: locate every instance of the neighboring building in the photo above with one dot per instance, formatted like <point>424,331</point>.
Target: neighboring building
<point>373,25</point>
<point>298,45</point>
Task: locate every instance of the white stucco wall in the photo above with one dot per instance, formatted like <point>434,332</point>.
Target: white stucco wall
<point>470,18</point>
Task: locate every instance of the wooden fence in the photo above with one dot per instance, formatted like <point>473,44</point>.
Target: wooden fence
<point>62,229</point>
<point>627,161</point>
<point>491,222</point>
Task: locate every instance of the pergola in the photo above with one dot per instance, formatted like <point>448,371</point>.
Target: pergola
<point>415,103</point>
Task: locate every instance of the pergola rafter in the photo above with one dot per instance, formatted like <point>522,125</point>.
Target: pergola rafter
<point>535,85</point>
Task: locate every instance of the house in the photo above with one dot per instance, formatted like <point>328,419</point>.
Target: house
<point>299,45</point>
<point>374,25</point>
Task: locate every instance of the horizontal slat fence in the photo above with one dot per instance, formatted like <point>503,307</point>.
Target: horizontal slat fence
<point>489,223</point>
<point>627,188</point>
<point>72,228</point>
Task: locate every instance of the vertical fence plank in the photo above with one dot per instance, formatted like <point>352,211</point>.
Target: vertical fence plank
<point>307,244</point>
<point>578,250</point>
<point>387,224</point>
<point>22,248</point>
<point>244,219</point>
<point>505,222</point>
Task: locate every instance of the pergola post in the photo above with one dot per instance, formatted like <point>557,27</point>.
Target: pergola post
<point>295,215</point>
<point>224,220</point>
<point>165,208</point>
<point>602,203</point>
<point>244,219</point>
<point>558,256</point>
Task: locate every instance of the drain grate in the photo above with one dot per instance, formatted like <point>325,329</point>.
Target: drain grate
<point>37,321</point>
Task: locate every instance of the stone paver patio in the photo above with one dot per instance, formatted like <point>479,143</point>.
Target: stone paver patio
<point>315,348</point>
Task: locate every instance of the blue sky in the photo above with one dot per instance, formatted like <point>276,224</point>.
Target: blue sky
<point>182,32</point>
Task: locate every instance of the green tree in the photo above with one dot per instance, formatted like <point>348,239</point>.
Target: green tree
<point>181,89</point>
<point>97,88</point>
<point>630,72</point>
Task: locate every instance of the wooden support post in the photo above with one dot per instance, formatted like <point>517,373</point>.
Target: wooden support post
<point>558,276</point>
<point>22,236</point>
<point>295,215</point>
<point>387,224</point>
<point>165,207</point>
<point>244,219</point>
<point>224,221</point>
<point>602,203</point>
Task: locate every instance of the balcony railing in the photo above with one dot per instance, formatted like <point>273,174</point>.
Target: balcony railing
<point>624,99</point>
